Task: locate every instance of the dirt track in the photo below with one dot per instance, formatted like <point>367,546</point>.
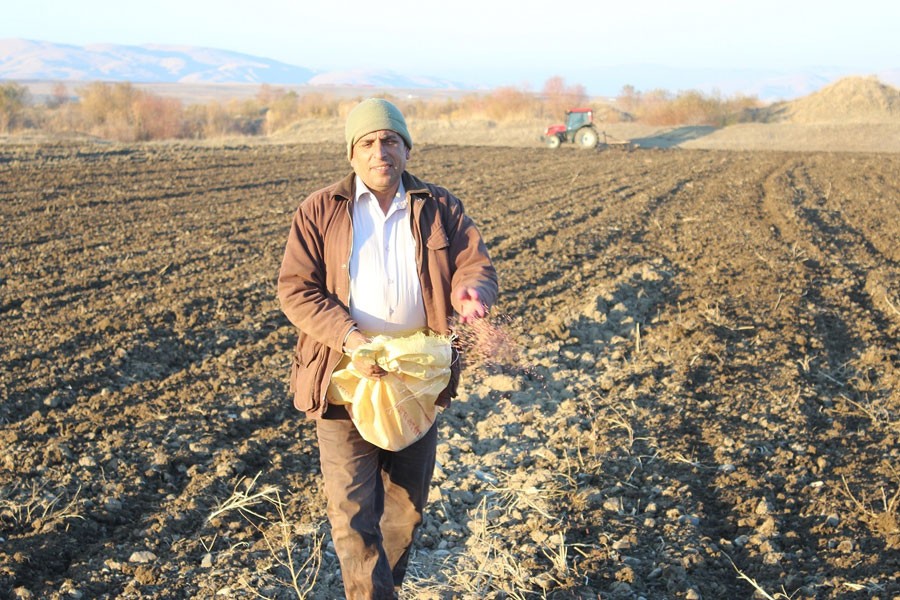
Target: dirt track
<point>709,396</point>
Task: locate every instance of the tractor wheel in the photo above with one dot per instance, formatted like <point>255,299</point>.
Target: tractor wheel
<point>553,141</point>
<point>586,138</point>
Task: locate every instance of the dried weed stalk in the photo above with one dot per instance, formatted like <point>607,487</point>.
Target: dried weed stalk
<point>782,595</point>
<point>40,509</point>
<point>890,507</point>
<point>282,546</point>
<point>879,415</point>
<point>489,565</point>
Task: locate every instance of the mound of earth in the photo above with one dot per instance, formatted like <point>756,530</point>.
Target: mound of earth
<point>849,100</point>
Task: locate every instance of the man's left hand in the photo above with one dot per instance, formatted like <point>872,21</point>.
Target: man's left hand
<point>471,308</point>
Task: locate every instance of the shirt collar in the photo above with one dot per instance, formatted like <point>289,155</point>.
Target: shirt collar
<point>400,201</point>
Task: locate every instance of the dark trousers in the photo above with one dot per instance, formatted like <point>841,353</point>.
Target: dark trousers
<point>375,503</point>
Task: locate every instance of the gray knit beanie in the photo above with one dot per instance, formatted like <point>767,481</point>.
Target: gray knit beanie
<point>371,115</point>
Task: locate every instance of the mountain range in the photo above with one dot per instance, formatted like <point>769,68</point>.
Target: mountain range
<point>27,60</point>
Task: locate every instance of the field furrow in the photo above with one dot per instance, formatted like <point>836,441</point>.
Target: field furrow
<point>705,393</point>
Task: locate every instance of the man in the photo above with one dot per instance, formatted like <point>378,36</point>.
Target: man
<point>379,252</point>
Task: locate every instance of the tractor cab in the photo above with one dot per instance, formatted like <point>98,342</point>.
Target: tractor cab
<point>577,118</point>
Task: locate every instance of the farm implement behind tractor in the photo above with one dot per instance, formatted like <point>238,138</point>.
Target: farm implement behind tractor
<point>579,129</point>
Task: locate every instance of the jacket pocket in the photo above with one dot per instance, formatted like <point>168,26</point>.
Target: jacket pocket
<point>304,379</point>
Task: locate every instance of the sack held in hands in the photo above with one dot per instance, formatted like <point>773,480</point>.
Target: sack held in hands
<point>398,409</point>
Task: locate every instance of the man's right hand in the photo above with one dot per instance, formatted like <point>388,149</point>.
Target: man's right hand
<point>367,368</point>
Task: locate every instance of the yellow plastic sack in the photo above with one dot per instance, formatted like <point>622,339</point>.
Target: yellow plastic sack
<point>398,409</point>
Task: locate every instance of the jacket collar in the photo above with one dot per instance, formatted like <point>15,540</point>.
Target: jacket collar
<point>344,189</point>
<point>414,185</point>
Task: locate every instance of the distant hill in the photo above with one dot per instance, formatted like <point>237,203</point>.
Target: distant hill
<point>380,79</point>
<point>27,60</point>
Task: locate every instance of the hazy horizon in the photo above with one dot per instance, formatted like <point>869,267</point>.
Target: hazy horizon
<point>495,45</point>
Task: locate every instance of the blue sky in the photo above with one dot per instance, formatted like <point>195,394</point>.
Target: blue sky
<point>519,41</point>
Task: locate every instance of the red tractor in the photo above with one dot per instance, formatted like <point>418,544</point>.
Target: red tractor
<point>579,129</point>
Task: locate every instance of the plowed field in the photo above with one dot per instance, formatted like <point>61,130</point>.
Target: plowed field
<point>706,404</point>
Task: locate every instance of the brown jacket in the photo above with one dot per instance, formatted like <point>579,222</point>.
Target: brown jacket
<point>314,281</point>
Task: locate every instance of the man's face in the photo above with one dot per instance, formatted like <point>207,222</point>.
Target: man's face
<point>379,158</point>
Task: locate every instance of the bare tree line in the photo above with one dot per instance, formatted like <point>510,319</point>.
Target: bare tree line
<point>122,112</point>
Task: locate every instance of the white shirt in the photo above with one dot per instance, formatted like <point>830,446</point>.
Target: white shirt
<point>385,292</point>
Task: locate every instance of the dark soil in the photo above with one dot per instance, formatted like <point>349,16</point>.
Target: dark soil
<point>707,403</point>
